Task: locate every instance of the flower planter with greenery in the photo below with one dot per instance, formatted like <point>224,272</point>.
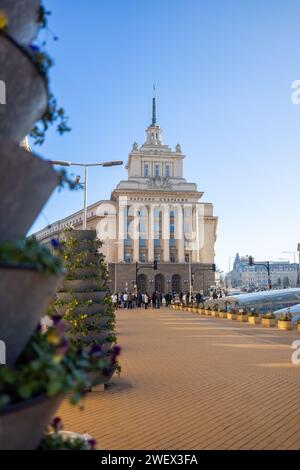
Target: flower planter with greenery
<point>222,314</point>
<point>269,320</point>
<point>298,326</point>
<point>242,315</point>
<point>232,315</point>
<point>18,209</point>
<point>50,366</point>
<point>285,322</point>
<point>22,19</point>
<point>58,439</point>
<point>26,91</point>
<point>92,321</point>
<point>254,318</point>
<point>215,313</point>
<point>207,311</point>
<point>29,275</point>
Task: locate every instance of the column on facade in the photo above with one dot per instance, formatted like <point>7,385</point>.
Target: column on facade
<point>135,230</point>
<point>121,228</point>
<point>179,233</point>
<point>166,232</point>
<point>150,233</point>
<point>196,250</point>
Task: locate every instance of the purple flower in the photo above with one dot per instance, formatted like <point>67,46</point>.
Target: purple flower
<point>57,424</point>
<point>92,443</point>
<point>95,350</point>
<point>34,48</point>
<point>55,243</point>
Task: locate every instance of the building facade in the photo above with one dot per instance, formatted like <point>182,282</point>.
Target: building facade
<point>153,215</point>
<point>282,274</point>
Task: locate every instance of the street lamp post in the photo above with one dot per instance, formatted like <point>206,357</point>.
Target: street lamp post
<point>86,166</point>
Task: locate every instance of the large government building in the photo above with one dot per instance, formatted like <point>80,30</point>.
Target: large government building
<point>153,215</point>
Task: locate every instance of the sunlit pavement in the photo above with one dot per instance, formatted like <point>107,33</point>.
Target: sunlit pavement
<point>195,382</point>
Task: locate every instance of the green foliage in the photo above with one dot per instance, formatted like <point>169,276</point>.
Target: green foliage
<point>29,252</point>
<point>285,317</point>
<point>269,316</point>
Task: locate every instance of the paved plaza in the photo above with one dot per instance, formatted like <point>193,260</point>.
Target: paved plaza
<point>195,382</point>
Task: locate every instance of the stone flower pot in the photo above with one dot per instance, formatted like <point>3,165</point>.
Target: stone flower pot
<point>26,184</point>
<point>223,314</point>
<point>285,325</point>
<point>84,273</point>
<point>242,317</point>
<point>214,313</point>
<point>91,337</point>
<point>269,322</point>
<point>81,285</point>
<point>231,316</point>
<point>24,295</point>
<point>254,320</point>
<point>23,19</point>
<point>207,312</point>
<point>90,309</point>
<point>26,92</point>
<point>97,322</point>
<point>298,327</point>
<point>22,425</point>
<point>97,296</point>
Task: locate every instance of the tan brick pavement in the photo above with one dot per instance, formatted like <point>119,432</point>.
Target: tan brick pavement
<point>194,382</point>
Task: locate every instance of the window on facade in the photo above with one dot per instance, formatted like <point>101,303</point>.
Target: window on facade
<point>127,257</point>
<point>146,170</point>
<point>142,258</point>
<point>156,169</point>
<point>157,242</point>
<point>167,170</point>
<point>173,258</point>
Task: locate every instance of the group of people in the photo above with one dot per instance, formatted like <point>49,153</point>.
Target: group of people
<point>132,300</point>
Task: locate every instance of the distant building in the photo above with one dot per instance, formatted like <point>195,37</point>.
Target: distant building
<point>282,274</point>
<point>153,215</point>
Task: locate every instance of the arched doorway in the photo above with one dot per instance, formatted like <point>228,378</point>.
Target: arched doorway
<point>176,283</point>
<point>160,283</point>
<point>142,283</point>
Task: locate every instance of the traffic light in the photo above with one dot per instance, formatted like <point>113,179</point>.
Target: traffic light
<point>213,267</point>
<point>155,265</point>
<point>251,261</point>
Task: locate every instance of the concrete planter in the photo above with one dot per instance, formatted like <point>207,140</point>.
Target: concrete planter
<point>242,318</point>
<point>231,316</point>
<point>214,313</point>
<point>91,337</point>
<point>26,92</point>
<point>223,314</point>
<point>23,19</point>
<point>98,378</point>
<point>101,322</point>
<point>24,175</point>
<point>97,296</point>
<point>96,308</point>
<point>285,325</point>
<point>84,273</point>
<point>78,285</point>
<point>254,320</point>
<point>298,327</point>
<point>268,322</point>
<point>22,425</point>
<point>24,295</point>
<point>207,312</point>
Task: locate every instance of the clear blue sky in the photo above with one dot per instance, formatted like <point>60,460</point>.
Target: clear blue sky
<point>223,71</point>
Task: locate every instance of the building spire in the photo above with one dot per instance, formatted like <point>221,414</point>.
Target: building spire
<point>153,108</point>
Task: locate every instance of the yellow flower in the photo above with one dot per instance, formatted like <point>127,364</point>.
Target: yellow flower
<point>58,358</point>
<point>3,20</point>
<point>53,338</point>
